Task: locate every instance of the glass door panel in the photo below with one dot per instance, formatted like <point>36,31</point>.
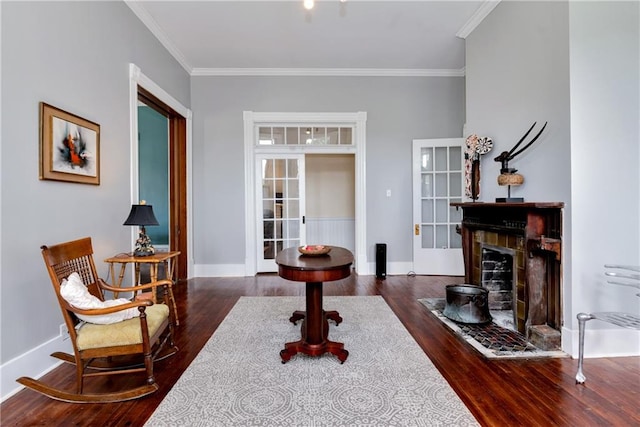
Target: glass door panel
<point>279,223</point>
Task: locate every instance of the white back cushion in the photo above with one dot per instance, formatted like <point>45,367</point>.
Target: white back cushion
<point>76,293</point>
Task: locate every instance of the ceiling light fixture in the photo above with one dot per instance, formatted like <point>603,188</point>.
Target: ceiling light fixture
<point>308,4</point>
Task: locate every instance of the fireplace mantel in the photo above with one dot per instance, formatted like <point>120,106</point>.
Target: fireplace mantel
<point>516,217</point>
<point>539,205</point>
<point>534,231</point>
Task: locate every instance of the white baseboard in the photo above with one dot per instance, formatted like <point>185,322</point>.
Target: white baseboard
<point>219,270</point>
<point>34,363</point>
<point>614,342</point>
<point>393,268</point>
<point>238,270</point>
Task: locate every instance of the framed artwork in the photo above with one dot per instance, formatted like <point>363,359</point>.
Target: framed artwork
<point>69,147</point>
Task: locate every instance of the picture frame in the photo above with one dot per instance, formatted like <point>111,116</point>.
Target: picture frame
<point>69,147</point>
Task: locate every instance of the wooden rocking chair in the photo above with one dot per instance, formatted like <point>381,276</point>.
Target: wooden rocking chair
<point>97,348</point>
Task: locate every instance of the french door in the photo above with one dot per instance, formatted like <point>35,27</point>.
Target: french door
<point>280,187</point>
<point>437,181</point>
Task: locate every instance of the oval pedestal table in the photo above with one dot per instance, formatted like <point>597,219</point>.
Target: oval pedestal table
<point>314,270</point>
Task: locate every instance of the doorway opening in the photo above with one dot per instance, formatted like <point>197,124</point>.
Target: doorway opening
<point>153,171</point>
<point>143,90</point>
<point>330,203</point>
<point>285,136</point>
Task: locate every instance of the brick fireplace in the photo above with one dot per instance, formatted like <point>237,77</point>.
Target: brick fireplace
<point>524,241</point>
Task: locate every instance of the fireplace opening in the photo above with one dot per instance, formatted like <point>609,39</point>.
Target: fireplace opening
<point>498,276</point>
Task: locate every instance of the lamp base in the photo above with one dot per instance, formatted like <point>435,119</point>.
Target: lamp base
<point>143,253</point>
<point>509,199</point>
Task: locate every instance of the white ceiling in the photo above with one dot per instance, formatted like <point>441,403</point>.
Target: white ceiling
<point>357,37</point>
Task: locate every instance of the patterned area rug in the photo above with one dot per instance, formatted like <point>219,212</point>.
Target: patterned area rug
<point>493,339</point>
<point>238,378</point>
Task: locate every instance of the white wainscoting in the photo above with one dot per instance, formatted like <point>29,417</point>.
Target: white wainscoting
<point>332,231</point>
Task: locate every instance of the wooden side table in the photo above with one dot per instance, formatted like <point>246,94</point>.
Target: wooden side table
<point>167,259</point>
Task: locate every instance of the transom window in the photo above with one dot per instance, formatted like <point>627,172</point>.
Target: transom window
<point>304,135</point>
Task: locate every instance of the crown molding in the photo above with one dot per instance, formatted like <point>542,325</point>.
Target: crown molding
<point>329,72</point>
<point>475,20</point>
<point>155,29</point>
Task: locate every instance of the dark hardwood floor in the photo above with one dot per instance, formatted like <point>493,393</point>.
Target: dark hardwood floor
<point>498,393</point>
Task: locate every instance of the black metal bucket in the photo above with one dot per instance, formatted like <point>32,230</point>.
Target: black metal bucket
<point>467,304</point>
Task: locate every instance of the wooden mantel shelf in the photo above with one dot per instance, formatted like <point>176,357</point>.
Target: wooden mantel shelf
<point>526,205</point>
<point>532,219</point>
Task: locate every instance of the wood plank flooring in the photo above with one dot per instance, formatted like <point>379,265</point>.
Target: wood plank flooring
<point>498,393</point>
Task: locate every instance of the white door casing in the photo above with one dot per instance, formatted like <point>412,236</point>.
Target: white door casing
<point>253,120</point>
<point>138,79</point>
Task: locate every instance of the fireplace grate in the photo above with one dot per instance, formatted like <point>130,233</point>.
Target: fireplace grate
<point>497,338</point>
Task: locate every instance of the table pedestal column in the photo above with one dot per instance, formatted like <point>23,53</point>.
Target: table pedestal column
<point>314,330</point>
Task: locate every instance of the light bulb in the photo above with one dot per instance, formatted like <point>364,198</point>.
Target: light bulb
<point>308,4</point>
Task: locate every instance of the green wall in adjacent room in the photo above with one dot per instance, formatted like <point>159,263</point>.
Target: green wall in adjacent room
<point>153,158</point>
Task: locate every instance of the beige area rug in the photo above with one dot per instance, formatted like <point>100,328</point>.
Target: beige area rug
<point>238,378</point>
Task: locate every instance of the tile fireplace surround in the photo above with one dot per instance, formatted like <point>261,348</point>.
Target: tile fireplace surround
<point>533,232</point>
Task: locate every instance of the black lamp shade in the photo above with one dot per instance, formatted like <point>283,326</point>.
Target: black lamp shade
<point>141,215</point>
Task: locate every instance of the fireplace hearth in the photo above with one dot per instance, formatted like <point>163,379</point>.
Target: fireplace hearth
<point>522,243</point>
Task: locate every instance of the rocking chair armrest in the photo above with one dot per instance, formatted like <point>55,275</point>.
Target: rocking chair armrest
<point>108,310</point>
<point>151,285</point>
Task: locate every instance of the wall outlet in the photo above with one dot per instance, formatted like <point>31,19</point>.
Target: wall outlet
<point>64,332</point>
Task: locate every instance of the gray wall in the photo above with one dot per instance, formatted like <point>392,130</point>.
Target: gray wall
<point>574,64</point>
<point>75,56</point>
<point>398,110</point>
<point>605,153</point>
<point>517,66</point>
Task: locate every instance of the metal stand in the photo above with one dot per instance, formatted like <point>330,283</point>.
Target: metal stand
<point>509,199</point>
<point>625,320</point>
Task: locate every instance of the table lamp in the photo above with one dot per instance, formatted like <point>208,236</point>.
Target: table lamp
<point>142,215</point>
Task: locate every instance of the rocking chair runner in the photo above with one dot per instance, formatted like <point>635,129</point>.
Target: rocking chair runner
<point>97,347</point>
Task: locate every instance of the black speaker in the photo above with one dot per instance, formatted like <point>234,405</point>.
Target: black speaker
<point>381,260</point>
